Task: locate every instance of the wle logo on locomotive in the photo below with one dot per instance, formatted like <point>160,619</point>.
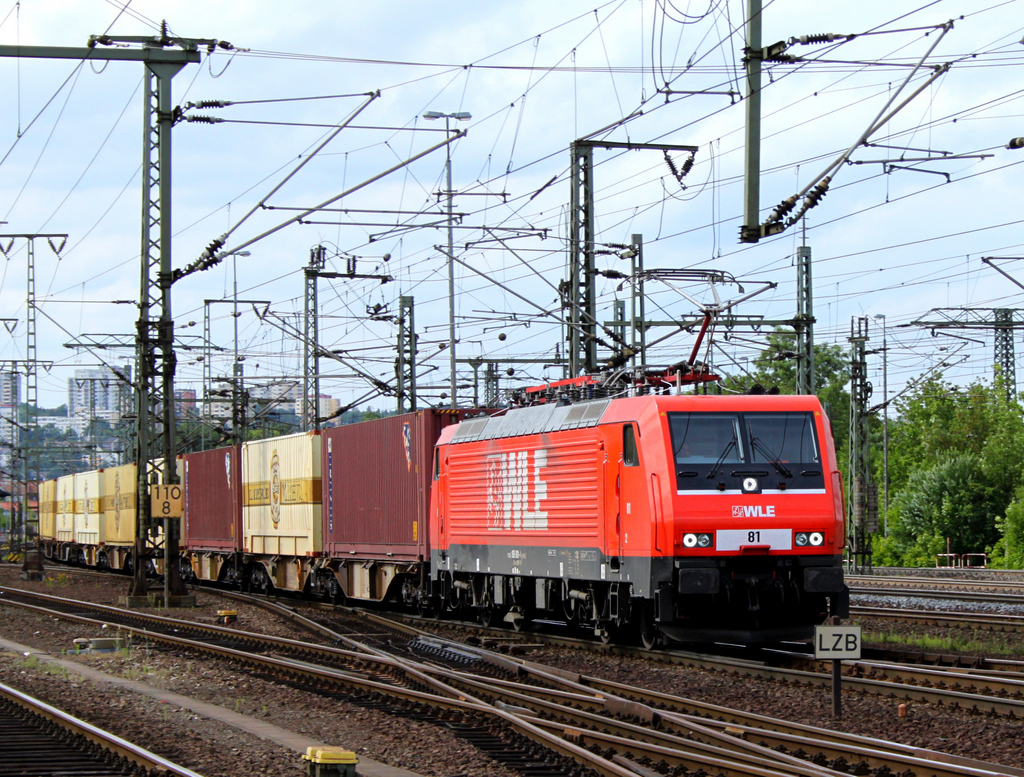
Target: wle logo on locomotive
<point>515,490</point>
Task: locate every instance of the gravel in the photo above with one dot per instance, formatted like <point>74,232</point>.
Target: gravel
<point>902,602</point>
<point>214,748</point>
<point>204,745</point>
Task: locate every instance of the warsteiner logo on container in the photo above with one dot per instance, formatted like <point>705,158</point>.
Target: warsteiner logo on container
<point>275,489</point>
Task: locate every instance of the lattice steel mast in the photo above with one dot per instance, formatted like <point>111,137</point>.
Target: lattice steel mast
<point>155,328</point>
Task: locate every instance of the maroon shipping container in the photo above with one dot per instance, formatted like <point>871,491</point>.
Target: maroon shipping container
<point>212,483</point>
<point>376,485</point>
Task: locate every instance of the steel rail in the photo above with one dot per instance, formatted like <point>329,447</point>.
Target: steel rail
<point>831,743</point>
<point>510,694</point>
<point>980,597</point>
<point>933,678</point>
<point>457,701</point>
<point>588,708</point>
<point>122,747</point>
<point>594,714</point>
<point>991,622</point>
<point>895,581</point>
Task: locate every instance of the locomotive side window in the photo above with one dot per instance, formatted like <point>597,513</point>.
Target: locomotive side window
<point>630,456</point>
<point>437,463</point>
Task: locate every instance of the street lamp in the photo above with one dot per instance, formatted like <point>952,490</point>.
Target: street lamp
<point>458,116</point>
<point>885,428</point>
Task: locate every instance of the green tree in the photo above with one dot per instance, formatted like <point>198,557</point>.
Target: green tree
<point>955,471</point>
<point>775,367</point>
<point>1012,529</point>
<point>952,499</point>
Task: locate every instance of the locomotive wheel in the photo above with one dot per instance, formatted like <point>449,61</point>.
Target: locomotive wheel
<point>650,634</point>
<point>521,619</point>
<point>486,611</point>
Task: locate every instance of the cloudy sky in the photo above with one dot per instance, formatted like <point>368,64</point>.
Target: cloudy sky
<point>886,240</point>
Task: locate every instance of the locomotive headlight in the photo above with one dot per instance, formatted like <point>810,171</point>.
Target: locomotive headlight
<point>697,540</point>
<point>803,539</point>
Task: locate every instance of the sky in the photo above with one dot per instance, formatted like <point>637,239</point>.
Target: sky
<point>894,238</point>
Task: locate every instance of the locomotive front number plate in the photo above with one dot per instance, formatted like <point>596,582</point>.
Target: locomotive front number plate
<point>734,539</point>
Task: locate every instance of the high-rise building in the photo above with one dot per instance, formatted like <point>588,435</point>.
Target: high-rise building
<point>9,389</point>
<point>9,398</point>
<point>283,397</point>
<point>184,402</point>
<point>95,390</point>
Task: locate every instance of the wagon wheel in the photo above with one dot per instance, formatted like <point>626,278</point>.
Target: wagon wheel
<point>486,611</point>
<point>427,606</point>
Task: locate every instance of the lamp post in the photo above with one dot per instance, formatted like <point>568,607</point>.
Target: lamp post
<point>458,116</point>
<point>885,428</point>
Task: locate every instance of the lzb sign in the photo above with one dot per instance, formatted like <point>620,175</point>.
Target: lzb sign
<point>837,642</point>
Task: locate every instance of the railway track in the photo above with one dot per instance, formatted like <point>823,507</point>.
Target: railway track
<point>40,740</point>
<point>546,693</point>
<point>544,721</point>
<point>999,591</point>
<point>975,620</point>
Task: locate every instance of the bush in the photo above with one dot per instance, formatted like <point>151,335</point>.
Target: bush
<point>1012,527</point>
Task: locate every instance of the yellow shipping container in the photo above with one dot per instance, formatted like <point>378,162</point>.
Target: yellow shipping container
<point>281,496</point>
<point>64,522</point>
<point>88,500</point>
<point>119,505</point>
<point>48,510</point>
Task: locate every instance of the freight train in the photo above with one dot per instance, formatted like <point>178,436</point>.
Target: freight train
<point>661,517</point>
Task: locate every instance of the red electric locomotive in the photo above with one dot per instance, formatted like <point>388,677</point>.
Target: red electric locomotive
<point>682,516</point>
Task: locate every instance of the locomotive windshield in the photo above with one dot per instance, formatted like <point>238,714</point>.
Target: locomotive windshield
<point>719,451</point>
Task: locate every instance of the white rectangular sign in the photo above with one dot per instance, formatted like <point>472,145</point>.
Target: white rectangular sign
<point>837,642</point>
<point>734,539</point>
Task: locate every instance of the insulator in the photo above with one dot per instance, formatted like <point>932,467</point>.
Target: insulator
<point>213,104</point>
<point>671,166</point>
<point>818,192</point>
<point>203,120</point>
<point>808,40</point>
<point>782,209</point>
<point>687,165</point>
